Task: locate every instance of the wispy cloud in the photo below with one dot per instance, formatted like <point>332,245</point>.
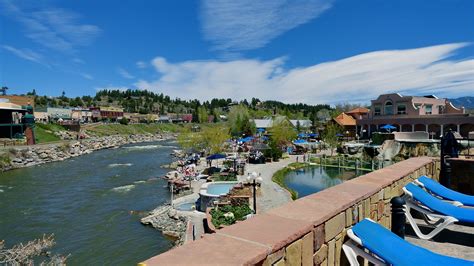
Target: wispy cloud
<point>26,54</point>
<point>124,73</point>
<point>141,64</point>
<point>54,28</point>
<point>87,76</point>
<point>356,79</point>
<point>234,26</point>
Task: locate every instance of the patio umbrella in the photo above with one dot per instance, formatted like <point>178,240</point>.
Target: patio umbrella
<point>388,127</point>
<point>300,141</point>
<point>302,135</point>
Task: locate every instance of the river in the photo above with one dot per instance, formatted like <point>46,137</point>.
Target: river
<point>86,202</point>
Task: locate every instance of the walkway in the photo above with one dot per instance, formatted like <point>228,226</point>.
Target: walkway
<point>272,195</point>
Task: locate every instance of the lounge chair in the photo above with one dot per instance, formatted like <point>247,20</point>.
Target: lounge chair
<point>380,246</point>
<point>436,212</point>
<point>443,192</point>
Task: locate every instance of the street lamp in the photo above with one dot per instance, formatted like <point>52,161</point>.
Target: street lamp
<point>254,179</point>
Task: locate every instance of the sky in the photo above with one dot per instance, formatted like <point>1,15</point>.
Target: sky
<point>309,51</point>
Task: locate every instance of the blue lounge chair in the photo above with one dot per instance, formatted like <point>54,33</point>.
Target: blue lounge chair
<point>443,192</point>
<point>436,212</point>
<point>384,247</point>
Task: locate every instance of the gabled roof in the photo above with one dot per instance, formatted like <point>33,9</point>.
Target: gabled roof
<point>303,123</point>
<point>345,120</point>
<point>358,110</point>
<point>263,123</point>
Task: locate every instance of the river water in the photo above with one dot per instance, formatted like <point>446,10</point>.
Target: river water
<point>87,202</point>
<point>313,179</point>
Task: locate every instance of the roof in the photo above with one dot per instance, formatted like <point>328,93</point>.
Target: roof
<point>303,122</point>
<point>358,110</point>
<point>10,106</point>
<point>263,123</point>
<point>345,120</point>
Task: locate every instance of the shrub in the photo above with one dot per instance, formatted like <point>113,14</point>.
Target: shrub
<point>239,211</point>
<point>123,121</point>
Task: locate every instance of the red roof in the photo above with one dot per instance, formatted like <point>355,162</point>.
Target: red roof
<point>358,110</point>
<point>345,120</point>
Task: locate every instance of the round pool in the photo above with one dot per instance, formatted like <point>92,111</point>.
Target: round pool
<point>209,192</point>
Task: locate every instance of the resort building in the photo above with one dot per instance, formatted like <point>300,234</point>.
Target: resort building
<point>302,123</point>
<point>41,117</point>
<point>347,122</point>
<point>415,113</point>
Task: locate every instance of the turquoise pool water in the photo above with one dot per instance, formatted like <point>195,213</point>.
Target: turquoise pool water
<point>219,189</point>
<point>313,179</point>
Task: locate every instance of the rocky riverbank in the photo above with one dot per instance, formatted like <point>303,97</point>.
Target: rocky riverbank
<point>26,156</point>
<point>168,221</point>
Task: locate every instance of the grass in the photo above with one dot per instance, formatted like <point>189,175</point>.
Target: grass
<point>5,160</point>
<point>279,177</point>
<point>44,132</point>
<point>132,129</point>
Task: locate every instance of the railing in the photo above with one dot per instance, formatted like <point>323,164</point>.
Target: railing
<point>349,163</point>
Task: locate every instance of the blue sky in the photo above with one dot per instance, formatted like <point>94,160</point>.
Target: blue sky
<point>312,51</point>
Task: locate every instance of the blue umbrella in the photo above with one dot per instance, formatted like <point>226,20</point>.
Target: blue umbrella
<point>302,135</point>
<point>216,156</point>
<point>339,135</point>
<point>313,135</point>
<point>260,130</point>
<point>300,141</point>
<point>388,127</point>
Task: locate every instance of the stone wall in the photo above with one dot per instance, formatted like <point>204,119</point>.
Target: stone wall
<point>25,156</point>
<point>310,230</point>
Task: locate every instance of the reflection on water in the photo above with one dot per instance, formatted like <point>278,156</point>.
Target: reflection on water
<point>90,204</point>
<point>312,179</point>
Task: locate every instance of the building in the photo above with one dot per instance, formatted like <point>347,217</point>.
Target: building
<point>415,113</point>
<point>347,123</point>
<point>82,115</point>
<point>303,123</point>
<point>11,123</point>
<point>106,113</point>
<point>59,113</point>
<point>266,123</point>
<point>41,117</point>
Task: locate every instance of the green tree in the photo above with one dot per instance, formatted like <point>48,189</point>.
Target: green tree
<point>202,114</point>
<point>282,133</point>
<point>239,121</point>
<point>330,137</point>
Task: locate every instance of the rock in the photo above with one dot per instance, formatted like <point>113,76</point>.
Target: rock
<point>171,234</point>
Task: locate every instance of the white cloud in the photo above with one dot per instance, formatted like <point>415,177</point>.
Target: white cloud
<point>26,54</point>
<point>249,24</point>
<point>87,76</point>
<point>360,78</point>
<point>141,64</point>
<point>54,28</point>
<point>124,73</point>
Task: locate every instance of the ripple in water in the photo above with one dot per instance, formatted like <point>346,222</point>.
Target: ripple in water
<point>123,189</point>
<point>120,164</point>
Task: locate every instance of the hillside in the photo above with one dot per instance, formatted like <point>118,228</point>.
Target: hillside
<point>466,101</point>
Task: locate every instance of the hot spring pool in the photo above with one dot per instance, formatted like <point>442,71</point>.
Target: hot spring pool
<point>209,192</point>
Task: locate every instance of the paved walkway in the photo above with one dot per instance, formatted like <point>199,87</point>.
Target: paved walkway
<point>271,194</point>
<point>455,241</point>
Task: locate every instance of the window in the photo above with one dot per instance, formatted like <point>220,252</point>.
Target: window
<point>428,109</point>
<point>417,106</point>
<point>377,110</point>
<point>401,109</point>
<point>441,109</point>
<point>388,109</point>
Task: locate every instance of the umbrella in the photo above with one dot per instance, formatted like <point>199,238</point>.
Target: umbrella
<point>216,156</point>
<point>388,127</point>
<point>302,135</point>
<point>313,135</point>
<point>260,130</point>
<point>339,135</point>
<point>246,139</point>
<point>300,141</point>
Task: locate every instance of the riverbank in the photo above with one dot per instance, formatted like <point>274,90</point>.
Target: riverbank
<point>26,156</point>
